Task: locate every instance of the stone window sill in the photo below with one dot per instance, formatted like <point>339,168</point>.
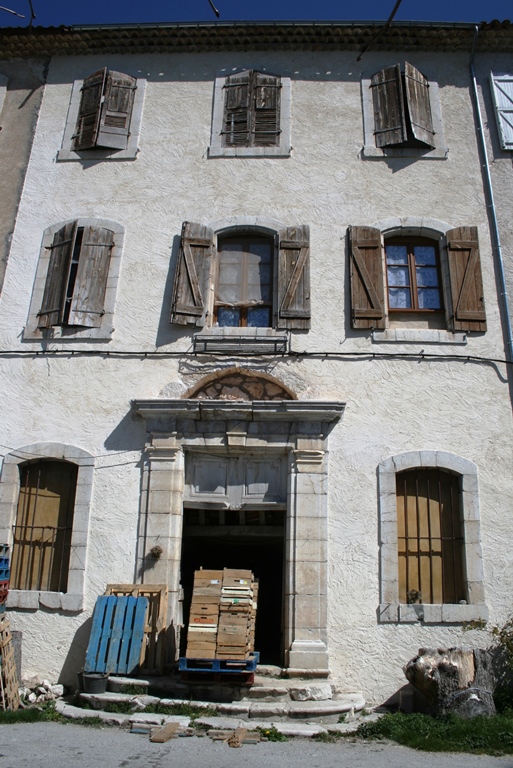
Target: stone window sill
<point>33,600</point>
<point>417,336</point>
<point>399,613</point>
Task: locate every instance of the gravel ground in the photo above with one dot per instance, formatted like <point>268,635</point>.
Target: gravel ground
<point>56,745</point>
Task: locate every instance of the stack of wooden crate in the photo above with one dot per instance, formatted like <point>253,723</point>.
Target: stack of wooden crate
<point>223,614</point>
<point>204,615</point>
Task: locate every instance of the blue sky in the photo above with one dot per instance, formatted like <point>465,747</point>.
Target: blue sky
<point>68,12</point>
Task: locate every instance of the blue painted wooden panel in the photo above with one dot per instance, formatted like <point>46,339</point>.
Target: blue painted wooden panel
<point>117,634</point>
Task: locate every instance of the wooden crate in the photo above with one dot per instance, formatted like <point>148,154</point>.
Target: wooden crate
<point>153,651</point>
<point>9,684</point>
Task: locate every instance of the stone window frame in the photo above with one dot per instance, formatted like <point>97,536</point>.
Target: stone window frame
<point>3,90</point>
<point>67,152</point>
<point>106,329</point>
<point>391,611</point>
<point>216,148</point>
<point>370,150</point>
<point>434,229</point>
<point>73,599</point>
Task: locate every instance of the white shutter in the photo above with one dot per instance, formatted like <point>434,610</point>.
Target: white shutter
<point>502,90</point>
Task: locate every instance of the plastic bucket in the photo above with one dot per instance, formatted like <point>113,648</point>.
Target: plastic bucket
<point>94,682</point>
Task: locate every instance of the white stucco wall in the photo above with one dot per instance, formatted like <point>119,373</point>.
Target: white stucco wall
<point>393,405</point>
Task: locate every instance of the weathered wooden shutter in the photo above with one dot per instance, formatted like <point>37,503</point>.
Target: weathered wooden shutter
<point>237,110</point>
<point>87,303</point>
<point>294,278</point>
<point>502,90</point>
<point>466,282</point>
<point>54,297</point>
<point>116,111</point>
<point>419,105</point>
<point>89,111</point>
<point>192,276</point>
<point>266,114</point>
<point>367,281</point>
<point>389,116</point>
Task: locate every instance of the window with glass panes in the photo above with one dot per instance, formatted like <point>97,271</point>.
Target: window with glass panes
<point>244,284</point>
<point>413,275</point>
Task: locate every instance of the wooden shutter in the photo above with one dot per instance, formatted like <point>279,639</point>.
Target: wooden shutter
<point>116,111</point>
<point>367,281</point>
<point>192,276</point>
<point>502,90</point>
<point>294,278</point>
<point>389,116</point>
<point>237,111</point>
<point>52,308</point>
<point>87,304</point>
<point>466,283</point>
<point>419,105</point>
<point>266,114</point>
<point>89,111</point>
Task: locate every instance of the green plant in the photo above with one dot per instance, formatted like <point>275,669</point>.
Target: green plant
<point>327,737</point>
<point>272,734</point>
<point>134,690</point>
<point>342,717</point>
<point>480,735</point>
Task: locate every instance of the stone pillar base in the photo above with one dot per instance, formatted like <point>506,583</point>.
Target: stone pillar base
<point>308,659</point>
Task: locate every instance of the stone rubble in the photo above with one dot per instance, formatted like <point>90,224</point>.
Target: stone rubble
<point>36,691</point>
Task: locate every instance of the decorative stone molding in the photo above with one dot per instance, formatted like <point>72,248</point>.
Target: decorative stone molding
<point>390,610</point>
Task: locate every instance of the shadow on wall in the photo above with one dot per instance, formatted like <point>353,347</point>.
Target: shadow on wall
<point>75,657</point>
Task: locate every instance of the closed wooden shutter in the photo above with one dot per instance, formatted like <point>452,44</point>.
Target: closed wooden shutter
<point>367,280</point>
<point>89,111</point>
<point>116,111</point>
<point>91,282</point>
<point>52,308</point>
<point>193,273</point>
<point>237,111</point>
<point>502,90</point>
<point>419,106</point>
<point>266,127</point>
<point>466,282</point>
<point>294,278</point>
<point>389,116</point>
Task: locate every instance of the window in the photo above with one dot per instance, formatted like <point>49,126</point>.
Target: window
<point>401,114</point>
<point>104,117</point>
<point>502,91</point>
<point>413,275</point>
<point>261,279</point>
<point>251,115</point>
<point>44,524</point>
<point>244,282</point>
<point>430,539</point>
<point>419,283</point>
<point>75,282</point>
<point>44,513</point>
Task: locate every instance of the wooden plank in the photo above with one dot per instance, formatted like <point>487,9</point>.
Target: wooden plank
<point>138,634</point>
<point>9,683</point>
<point>237,737</point>
<point>165,733</point>
<point>95,636</point>
<point>121,637</point>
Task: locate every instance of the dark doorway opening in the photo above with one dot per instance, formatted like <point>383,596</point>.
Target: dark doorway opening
<point>253,540</point>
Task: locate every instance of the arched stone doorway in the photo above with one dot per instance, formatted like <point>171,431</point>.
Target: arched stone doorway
<point>229,460</point>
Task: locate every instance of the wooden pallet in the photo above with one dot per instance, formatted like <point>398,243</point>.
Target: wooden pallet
<point>9,684</point>
<point>117,635</point>
<point>223,666</point>
<point>153,651</point>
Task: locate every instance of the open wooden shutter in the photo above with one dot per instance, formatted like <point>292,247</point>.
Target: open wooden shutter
<point>193,272</point>
<point>387,97</point>
<point>466,282</point>
<point>419,105</point>
<point>502,90</point>
<point>116,111</point>
<point>237,111</point>
<point>91,281</point>
<point>266,115</point>
<point>294,278</point>
<point>90,110</point>
<point>367,281</point>
<point>52,308</point>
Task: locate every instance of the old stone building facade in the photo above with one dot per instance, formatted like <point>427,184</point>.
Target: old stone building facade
<point>250,317</point>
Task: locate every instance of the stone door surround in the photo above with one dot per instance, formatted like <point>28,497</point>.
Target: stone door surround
<point>297,429</point>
